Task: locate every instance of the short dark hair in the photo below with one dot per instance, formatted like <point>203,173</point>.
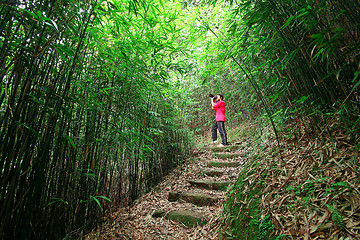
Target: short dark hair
<point>221,96</point>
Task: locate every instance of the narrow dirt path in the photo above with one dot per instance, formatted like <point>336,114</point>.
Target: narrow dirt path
<point>149,217</point>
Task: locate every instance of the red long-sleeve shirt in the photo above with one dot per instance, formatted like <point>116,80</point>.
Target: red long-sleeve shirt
<point>219,107</point>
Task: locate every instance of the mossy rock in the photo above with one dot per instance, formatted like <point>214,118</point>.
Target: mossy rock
<point>228,148</point>
<point>173,196</point>
<point>198,199</point>
<point>158,213</point>
<point>213,172</point>
<point>187,217</point>
<point>223,164</point>
<point>211,185</point>
<point>228,155</point>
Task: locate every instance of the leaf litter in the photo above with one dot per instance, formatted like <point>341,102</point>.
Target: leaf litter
<point>310,190</point>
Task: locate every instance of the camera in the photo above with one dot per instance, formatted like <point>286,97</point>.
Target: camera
<point>212,96</point>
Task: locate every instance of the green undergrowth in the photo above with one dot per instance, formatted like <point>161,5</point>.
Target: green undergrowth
<point>244,218</point>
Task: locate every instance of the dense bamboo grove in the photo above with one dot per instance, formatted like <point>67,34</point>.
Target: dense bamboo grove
<point>306,54</point>
<point>84,113</point>
<point>93,106</point>
<point>299,61</point>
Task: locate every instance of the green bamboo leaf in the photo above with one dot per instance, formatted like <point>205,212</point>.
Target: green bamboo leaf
<point>60,51</point>
<point>355,123</point>
<point>29,128</point>
<point>290,20</point>
<point>90,175</point>
<point>302,99</point>
<point>97,201</point>
<point>29,12</point>
<point>106,90</point>
<point>71,141</point>
<point>278,112</point>
<point>103,197</point>
<point>356,76</point>
<point>162,4</point>
<point>317,36</point>
<point>54,24</point>
<point>56,200</point>
<point>44,19</point>
<point>341,184</point>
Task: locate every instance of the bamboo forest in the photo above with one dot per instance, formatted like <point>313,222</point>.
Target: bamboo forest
<point>108,128</point>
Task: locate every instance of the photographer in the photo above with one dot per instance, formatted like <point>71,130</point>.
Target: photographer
<point>219,107</point>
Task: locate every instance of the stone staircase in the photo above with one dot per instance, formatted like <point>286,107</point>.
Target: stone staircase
<point>187,204</point>
<point>221,163</point>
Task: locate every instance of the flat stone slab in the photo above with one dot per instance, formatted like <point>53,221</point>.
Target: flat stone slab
<point>227,155</point>
<point>158,213</point>
<point>212,172</point>
<point>223,164</point>
<point>228,148</point>
<point>220,185</point>
<point>198,199</point>
<point>187,217</point>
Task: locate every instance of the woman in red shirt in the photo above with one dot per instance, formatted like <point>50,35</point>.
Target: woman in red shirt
<point>219,107</point>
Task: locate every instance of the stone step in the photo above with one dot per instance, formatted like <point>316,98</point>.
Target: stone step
<point>220,164</point>
<point>228,148</point>
<point>213,172</point>
<point>158,213</point>
<point>198,199</point>
<point>211,185</point>
<point>227,155</point>
<point>187,217</point>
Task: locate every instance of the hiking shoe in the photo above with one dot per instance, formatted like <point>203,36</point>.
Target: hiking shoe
<point>221,145</point>
<point>214,141</point>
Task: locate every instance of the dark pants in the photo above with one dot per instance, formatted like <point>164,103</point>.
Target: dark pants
<point>221,126</point>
